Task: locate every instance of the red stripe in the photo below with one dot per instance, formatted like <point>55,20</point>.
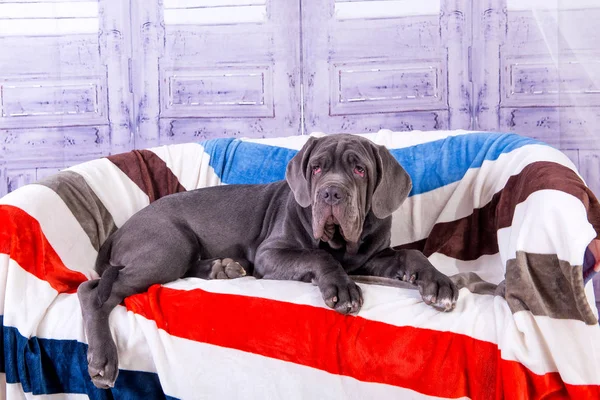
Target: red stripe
<point>21,237</point>
<point>435,363</point>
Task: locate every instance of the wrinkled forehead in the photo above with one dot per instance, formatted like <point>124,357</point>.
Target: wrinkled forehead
<point>344,148</point>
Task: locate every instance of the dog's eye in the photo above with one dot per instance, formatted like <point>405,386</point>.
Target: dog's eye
<point>359,171</point>
<point>316,170</point>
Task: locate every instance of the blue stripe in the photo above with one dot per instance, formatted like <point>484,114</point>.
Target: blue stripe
<point>439,163</point>
<point>589,262</point>
<point>48,366</point>
<point>239,162</point>
<point>431,165</point>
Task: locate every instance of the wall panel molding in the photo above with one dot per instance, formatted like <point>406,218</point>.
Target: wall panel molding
<point>372,86</point>
<point>228,91</point>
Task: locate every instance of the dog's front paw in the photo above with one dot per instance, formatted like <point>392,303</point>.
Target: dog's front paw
<point>227,268</point>
<point>341,294</point>
<point>436,289</point>
<point>103,365</point>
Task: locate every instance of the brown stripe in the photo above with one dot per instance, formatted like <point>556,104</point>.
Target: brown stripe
<point>471,237</point>
<point>149,172</point>
<point>418,245</point>
<point>90,212</point>
<point>547,286</point>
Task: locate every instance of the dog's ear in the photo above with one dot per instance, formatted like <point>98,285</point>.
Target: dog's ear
<point>393,183</point>
<point>295,173</point>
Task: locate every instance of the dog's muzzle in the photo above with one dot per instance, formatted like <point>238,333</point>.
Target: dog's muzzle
<point>332,195</point>
<point>335,219</point>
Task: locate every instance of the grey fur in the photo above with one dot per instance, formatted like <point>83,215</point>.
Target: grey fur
<point>330,219</point>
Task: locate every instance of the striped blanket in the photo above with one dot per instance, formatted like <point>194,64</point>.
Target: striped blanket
<point>508,217</point>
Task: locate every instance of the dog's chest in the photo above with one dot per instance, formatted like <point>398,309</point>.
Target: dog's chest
<point>350,262</point>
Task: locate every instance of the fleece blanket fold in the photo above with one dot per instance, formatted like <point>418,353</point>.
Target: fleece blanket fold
<point>508,217</point>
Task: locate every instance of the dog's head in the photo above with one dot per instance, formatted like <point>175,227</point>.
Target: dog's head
<point>344,177</point>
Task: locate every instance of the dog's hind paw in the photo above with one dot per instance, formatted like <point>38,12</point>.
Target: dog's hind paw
<point>226,268</point>
<point>103,366</point>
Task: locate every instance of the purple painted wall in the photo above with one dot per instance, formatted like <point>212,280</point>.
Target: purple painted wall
<point>125,74</point>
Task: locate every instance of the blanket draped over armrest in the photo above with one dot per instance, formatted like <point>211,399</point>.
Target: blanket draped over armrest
<point>508,217</point>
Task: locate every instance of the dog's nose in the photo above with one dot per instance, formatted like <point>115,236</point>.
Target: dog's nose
<point>332,195</point>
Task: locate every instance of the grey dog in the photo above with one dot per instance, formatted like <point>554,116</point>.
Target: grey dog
<point>331,217</point>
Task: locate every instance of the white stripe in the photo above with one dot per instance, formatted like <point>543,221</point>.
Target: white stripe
<point>414,220</point>
<point>575,352</point>
<point>26,299</point>
<point>385,137</point>
<point>193,370</point>
<point>59,225</point>
<point>548,222</point>
<point>489,267</point>
<point>416,217</point>
<point>381,303</point>
<point>400,140</point>
<point>289,142</point>
<point>14,391</point>
<point>4,263</point>
<point>591,297</point>
<point>190,164</point>
<point>130,331</point>
<point>119,194</point>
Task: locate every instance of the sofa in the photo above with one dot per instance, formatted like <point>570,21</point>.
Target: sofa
<point>507,217</point>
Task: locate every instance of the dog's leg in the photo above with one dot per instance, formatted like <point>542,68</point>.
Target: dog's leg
<point>412,266</point>
<point>220,268</point>
<point>100,296</point>
<point>102,352</point>
<point>318,266</point>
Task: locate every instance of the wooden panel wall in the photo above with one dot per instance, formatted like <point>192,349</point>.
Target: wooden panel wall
<point>211,69</point>
<point>537,73</point>
<point>107,79</point>
<point>64,91</point>
<point>369,65</point>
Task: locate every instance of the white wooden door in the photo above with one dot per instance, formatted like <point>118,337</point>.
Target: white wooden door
<point>374,64</point>
<point>537,73</point>
<point>208,68</point>
<point>64,92</point>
